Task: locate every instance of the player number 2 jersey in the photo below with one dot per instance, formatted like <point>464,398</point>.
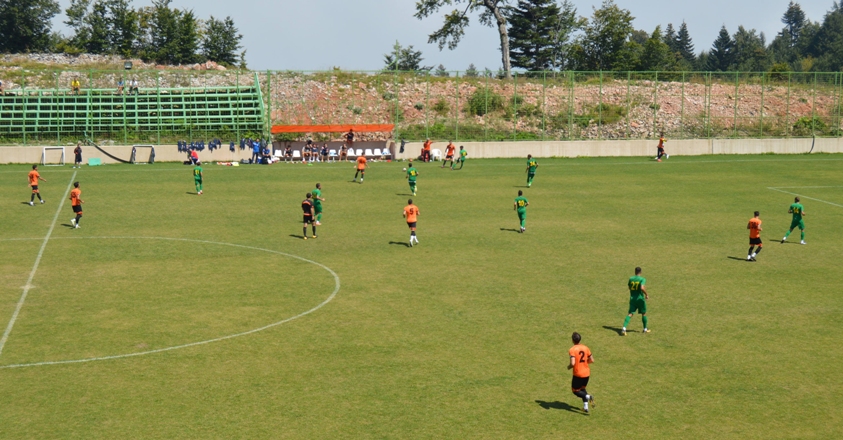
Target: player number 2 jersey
<point>580,353</point>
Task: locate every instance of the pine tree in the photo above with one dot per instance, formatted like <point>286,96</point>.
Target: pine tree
<point>188,39</point>
<point>221,41</point>
<point>670,38</point>
<point>532,24</point>
<point>656,55</point>
<point>827,45</point>
<point>163,32</point>
<point>25,24</point>
<point>441,72</point>
<point>720,56</point>
<point>404,59</point>
<point>684,45</point>
<point>471,72</point>
<point>123,26</point>
<point>794,20</point>
<point>749,52</point>
<point>605,36</point>
<point>98,25</point>
<point>567,22</point>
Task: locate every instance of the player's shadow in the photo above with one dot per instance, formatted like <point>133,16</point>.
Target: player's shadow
<point>737,258</point>
<point>296,236</point>
<point>404,195</point>
<point>520,186</point>
<point>192,193</point>
<point>68,225</point>
<point>617,330</point>
<point>401,243</point>
<point>509,230</point>
<point>559,405</point>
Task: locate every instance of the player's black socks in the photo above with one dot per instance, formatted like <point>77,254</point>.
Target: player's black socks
<point>582,394</point>
<point>413,233</point>
<point>758,251</point>
<point>39,196</point>
<point>750,250</point>
<point>78,219</point>
<point>304,231</point>
<point>32,198</point>
<point>314,230</point>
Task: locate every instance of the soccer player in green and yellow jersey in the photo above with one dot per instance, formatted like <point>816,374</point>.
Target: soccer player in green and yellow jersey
<point>798,212</point>
<point>520,206</point>
<point>317,203</point>
<point>637,300</point>
<point>532,164</point>
<point>197,178</point>
<point>412,174</point>
<point>461,159</point>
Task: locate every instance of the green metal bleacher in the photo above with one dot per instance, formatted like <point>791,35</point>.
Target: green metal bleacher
<point>57,112</point>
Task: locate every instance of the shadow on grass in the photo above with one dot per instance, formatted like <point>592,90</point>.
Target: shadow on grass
<point>68,225</point>
<point>404,195</point>
<point>617,330</point>
<point>296,236</point>
<point>405,244</point>
<point>192,193</point>
<point>559,405</point>
<point>510,230</point>
<point>737,258</point>
<point>24,203</point>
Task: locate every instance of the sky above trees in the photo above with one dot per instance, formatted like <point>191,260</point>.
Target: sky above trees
<point>320,34</point>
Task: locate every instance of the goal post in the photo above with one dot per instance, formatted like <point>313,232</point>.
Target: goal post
<point>143,154</point>
<point>54,158</point>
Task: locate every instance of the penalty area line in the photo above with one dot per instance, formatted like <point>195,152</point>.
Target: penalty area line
<point>28,284</point>
<point>804,196</point>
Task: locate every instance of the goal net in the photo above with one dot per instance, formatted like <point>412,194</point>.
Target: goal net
<point>143,154</point>
<point>52,156</point>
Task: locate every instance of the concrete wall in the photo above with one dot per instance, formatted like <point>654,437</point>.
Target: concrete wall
<point>163,153</point>
<point>478,150</point>
<point>692,147</point>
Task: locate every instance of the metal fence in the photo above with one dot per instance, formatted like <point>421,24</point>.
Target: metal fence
<point>465,107</point>
<point>564,105</point>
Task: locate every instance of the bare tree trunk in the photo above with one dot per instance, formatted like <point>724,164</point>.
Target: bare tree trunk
<point>501,20</point>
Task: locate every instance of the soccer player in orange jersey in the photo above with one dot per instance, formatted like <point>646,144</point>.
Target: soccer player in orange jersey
<point>754,227</point>
<point>76,203</point>
<point>34,177</point>
<point>449,153</point>
<point>580,359</point>
<point>660,151</point>
<point>426,150</point>
<point>411,213</point>
<point>361,168</point>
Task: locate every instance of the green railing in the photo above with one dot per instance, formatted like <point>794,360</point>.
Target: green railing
<point>564,105</point>
<point>165,108</point>
<point>179,104</point>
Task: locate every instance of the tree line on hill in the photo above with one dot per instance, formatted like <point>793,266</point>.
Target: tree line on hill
<point>157,33</point>
<point>546,35</point>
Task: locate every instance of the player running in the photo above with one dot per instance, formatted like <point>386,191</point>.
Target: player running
<point>412,175</point>
<point>461,159</point>
<point>317,204</point>
<point>532,164</point>
<point>307,207</point>
<point>754,227</point>
<point>76,203</point>
<point>411,213</point>
<point>197,178</point>
<point>361,168</point>
<point>449,154</point>
<point>34,177</point>
<point>580,358</point>
<point>637,300</point>
<point>798,212</point>
<point>660,151</point>
<point>520,206</point>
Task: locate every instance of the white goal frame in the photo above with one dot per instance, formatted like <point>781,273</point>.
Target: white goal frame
<point>135,159</point>
<point>44,157</point>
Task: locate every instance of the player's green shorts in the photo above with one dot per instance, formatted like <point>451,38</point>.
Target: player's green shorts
<point>531,175</point>
<point>797,224</point>
<point>412,183</point>
<point>522,215</point>
<point>637,304</point>
<point>317,208</point>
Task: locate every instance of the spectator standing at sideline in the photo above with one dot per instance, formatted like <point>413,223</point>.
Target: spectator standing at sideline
<point>256,151</point>
<point>77,153</point>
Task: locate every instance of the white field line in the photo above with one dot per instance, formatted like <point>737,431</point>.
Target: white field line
<point>806,197</point>
<point>28,285</point>
<point>193,344</point>
<point>646,160</point>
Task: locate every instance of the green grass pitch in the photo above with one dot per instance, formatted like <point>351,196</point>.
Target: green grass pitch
<point>463,336</point>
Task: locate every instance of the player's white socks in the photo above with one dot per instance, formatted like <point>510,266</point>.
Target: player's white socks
<point>753,255</point>
<point>585,406</point>
<point>784,239</point>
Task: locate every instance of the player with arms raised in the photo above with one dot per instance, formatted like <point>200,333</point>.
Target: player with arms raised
<point>580,359</point>
<point>798,212</point>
